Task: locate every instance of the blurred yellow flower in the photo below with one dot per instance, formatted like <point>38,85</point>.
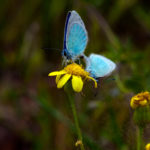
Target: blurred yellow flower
<point>79,142</point>
<point>141,99</point>
<point>76,72</point>
<point>147,147</point>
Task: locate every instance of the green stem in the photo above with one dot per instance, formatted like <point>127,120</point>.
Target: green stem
<point>71,99</point>
<point>139,137</point>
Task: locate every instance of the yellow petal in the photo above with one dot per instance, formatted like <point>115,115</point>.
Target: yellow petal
<point>94,81</point>
<point>55,73</point>
<point>77,83</point>
<point>57,78</point>
<point>133,104</point>
<point>63,80</point>
<point>143,102</point>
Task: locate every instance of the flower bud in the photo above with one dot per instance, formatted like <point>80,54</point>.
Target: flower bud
<point>139,100</point>
<point>141,104</point>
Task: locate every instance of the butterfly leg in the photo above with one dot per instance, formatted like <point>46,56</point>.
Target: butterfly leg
<point>64,62</point>
<point>78,59</point>
<point>86,59</point>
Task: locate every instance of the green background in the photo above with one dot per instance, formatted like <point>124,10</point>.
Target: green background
<point>34,114</point>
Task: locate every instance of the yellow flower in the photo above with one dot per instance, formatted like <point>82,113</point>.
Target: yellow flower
<point>141,99</point>
<point>76,72</point>
<point>147,147</point>
<point>79,142</point>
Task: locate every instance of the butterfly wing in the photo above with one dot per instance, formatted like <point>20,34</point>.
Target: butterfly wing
<point>66,25</point>
<point>76,36</point>
<point>99,66</point>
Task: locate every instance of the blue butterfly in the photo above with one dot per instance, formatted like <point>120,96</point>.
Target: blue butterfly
<point>99,66</point>
<point>75,37</point>
<point>75,42</point>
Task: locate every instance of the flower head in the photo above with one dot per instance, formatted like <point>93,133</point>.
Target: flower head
<point>147,147</point>
<point>76,72</point>
<point>141,99</point>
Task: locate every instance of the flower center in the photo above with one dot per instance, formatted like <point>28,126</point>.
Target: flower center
<point>76,69</point>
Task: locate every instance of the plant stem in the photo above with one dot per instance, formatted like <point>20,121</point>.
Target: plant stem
<point>139,137</point>
<point>71,99</point>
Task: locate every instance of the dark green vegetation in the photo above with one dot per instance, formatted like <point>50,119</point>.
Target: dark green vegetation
<point>34,114</point>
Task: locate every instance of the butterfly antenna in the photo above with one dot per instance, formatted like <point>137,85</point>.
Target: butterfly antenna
<point>111,79</point>
<point>51,49</point>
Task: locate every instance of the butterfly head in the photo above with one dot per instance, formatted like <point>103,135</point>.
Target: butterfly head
<point>66,54</point>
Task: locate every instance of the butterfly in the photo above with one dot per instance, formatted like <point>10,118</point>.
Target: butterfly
<point>99,66</point>
<point>75,42</point>
<point>75,37</point>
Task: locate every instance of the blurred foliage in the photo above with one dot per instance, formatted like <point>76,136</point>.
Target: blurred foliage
<point>34,114</point>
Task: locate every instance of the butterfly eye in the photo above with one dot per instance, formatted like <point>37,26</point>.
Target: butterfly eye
<point>65,53</point>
